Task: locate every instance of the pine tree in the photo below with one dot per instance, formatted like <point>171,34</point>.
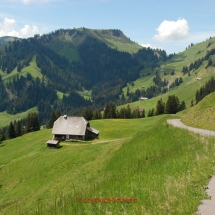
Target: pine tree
<point>1,135</point>
<point>142,115</point>
<point>172,105</point>
<point>18,129</point>
<point>58,114</point>
<point>87,113</point>
<point>29,123</point>
<point>97,114</point>
<point>36,122</point>
<point>149,113</point>
<point>51,120</point>
<point>11,131</point>
<point>160,107</point>
<point>32,123</point>
<point>128,114</point>
<point>182,106</point>
<point>135,114</point>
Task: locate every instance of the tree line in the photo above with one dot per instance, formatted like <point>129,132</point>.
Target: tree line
<point>20,127</point>
<point>208,88</point>
<point>172,106</point>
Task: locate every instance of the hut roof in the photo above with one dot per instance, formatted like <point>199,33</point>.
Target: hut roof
<point>52,142</point>
<point>93,130</point>
<point>70,125</point>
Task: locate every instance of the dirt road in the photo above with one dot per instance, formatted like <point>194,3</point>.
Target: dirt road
<point>208,205</point>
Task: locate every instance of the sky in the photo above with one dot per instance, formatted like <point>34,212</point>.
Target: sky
<point>164,24</point>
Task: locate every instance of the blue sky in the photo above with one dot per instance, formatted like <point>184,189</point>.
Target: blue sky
<point>166,24</point>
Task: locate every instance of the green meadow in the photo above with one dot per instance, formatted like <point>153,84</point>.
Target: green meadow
<point>164,169</point>
<point>7,118</point>
<point>187,90</point>
<point>202,114</point>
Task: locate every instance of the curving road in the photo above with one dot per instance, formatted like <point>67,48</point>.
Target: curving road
<point>208,205</point>
<point>179,124</point>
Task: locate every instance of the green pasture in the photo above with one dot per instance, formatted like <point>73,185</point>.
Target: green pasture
<point>32,69</point>
<point>164,168</point>
<point>6,118</point>
<point>202,114</point>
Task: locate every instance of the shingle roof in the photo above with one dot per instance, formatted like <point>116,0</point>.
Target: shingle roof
<point>53,142</point>
<point>70,125</point>
<point>93,130</point>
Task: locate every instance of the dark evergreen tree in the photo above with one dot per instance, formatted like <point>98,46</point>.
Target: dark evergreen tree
<point>36,122</point>
<point>128,113</point>
<point>11,131</point>
<point>58,114</point>
<point>142,115</point>
<point>18,129</point>
<point>87,113</point>
<point>52,119</point>
<point>160,107</point>
<point>172,105</point>
<point>97,114</point>
<point>32,123</point>
<point>182,106</point>
<point>1,135</point>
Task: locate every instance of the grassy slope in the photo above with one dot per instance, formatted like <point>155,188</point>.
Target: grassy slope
<point>164,167</point>
<point>32,68</point>
<point>7,118</point>
<point>185,91</point>
<point>202,114</point>
<point>67,45</point>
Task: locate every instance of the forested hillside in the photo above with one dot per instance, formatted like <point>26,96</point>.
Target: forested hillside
<point>52,71</point>
<point>99,67</point>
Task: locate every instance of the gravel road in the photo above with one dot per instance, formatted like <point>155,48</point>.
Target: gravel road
<point>208,205</point>
<point>179,124</point>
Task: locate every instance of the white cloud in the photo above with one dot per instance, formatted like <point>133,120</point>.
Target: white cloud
<point>9,28</point>
<point>172,30</point>
<point>146,45</point>
<point>150,46</point>
<point>37,1</point>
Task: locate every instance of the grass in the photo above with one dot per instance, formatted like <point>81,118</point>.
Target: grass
<point>65,48</point>
<point>7,118</point>
<point>165,168</point>
<point>86,94</point>
<point>186,91</point>
<point>32,69</point>
<point>202,114</point>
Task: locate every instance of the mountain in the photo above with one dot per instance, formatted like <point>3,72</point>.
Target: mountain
<point>35,71</point>
<point>195,66</point>
<point>71,69</point>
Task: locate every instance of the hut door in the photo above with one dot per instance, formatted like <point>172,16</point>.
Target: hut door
<point>67,137</point>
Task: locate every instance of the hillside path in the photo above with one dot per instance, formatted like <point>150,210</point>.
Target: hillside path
<point>208,205</point>
<point>179,124</point>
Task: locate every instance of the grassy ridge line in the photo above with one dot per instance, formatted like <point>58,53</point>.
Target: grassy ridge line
<point>164,167</point>
<point>202,114</point>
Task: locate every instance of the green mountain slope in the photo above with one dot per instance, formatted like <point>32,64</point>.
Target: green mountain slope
<point>66,42</point>
<point>70,63</point>
<point>192,81</point>
<point>202,114</point>
<point>98,65</point>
